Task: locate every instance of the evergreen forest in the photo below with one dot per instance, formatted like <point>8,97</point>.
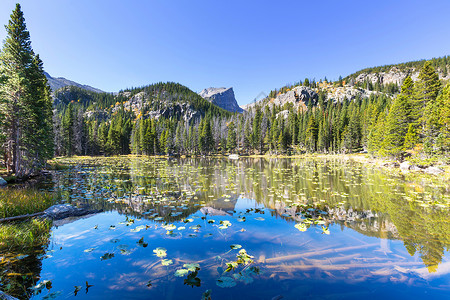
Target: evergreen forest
<point>170,119</point>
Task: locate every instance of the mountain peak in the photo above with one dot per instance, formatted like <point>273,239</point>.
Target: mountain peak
<point>60,82</point>
<point>222,97</point>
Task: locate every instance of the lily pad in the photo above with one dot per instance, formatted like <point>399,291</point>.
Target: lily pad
<point>235,246</point>
<point>141,243</point>
<point>166,262</point>
<point>160,252</point>
<point>225,282</point>
<point>301,226</point>
<point>107,256</point>
<point>191,267</point>
<point>181,272</point>
<point>325,230</point>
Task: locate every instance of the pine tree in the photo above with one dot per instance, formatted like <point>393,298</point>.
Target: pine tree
<point>426,89</point>
<point>397,127</point>
<point>311,134</point>
<point>231,137</point>
<point>411,138</point>
<point>444,119</point>
<point>25,108</point>
<point>67,129</point>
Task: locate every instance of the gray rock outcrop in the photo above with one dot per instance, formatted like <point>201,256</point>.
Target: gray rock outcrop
<point>395,75</point>
<point>62,211</point>
<point>299,96</point>
<point>222,97</point>
<point>433,170</point>
<point>339,94</point>
<point>3,182</point>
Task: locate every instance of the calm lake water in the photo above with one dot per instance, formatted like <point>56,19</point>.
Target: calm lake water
<point>242,229</point>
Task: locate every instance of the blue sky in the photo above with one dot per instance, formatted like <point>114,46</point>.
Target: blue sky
<point>253,46</point>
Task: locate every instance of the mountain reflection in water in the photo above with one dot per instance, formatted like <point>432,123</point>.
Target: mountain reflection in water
<point>321,222</point>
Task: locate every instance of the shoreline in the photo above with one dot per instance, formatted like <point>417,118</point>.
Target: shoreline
<point>441,171</point>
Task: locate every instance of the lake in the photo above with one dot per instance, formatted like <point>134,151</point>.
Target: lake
<point>240,229</point>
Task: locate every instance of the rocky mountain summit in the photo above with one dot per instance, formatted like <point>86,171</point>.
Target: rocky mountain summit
<point>222,97</point>
<point>60,82</point>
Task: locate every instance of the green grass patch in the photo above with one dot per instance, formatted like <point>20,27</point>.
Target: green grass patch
<point>24,235</point>
<point>16,202</point>
<point>56,166</point>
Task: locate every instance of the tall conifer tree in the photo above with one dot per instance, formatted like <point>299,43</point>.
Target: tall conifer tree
<point>26,104</point>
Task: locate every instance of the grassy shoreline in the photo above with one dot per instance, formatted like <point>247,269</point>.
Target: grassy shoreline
<point>16,202</point>
<point>24,234</point>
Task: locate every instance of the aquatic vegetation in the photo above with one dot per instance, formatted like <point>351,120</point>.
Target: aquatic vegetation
<point>181,272</point>
<point>107,256</point>
<point>246,224</point>
<point>166,262</point>
<point>160,252</point>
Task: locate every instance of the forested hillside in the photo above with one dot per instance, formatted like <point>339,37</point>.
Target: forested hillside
<point>170,119</point>
<point>440,64</point>
<point>88,123</point>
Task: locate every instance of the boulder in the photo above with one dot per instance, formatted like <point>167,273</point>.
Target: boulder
<point>3,182</point>
<point>433,170</point>
<point>416,168</point>
<point>62,211</point>
<point>405,166</point>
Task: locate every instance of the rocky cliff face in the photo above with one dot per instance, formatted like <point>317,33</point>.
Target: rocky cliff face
<point>222,97</point>
<point>394,75</point>
<point>301,96</point>
<point>141,100</point>
<point>60,82</point>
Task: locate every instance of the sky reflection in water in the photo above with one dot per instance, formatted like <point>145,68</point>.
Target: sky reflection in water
<point>317,229</point>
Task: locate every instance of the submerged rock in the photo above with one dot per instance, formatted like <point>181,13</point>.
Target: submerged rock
<point>62,211</point>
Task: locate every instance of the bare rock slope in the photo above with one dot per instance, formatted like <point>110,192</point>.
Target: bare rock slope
<point>222,97</point>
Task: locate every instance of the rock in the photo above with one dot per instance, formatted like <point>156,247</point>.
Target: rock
<point>339,94</point>
<point>3,182</point>
<point>394,75</point>
<point>405,166</point>
<point>213,212</point>
<point>222,97</point>
<point>62,211</point>
<point>433,170</point>
<point>299,96</point>
<point>415,168</point>
<point>4,296</point>
<point>283,114</point>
